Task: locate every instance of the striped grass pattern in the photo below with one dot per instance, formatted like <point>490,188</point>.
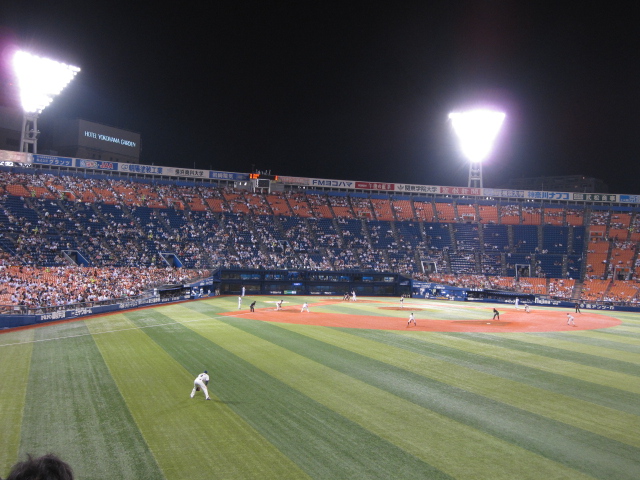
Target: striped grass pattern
<point>110,395</point>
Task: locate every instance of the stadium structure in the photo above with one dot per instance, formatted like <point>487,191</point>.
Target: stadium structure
<point>74,231</point>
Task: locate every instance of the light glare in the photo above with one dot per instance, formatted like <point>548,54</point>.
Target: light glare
<point>477,129</point>
<point>40,79</point>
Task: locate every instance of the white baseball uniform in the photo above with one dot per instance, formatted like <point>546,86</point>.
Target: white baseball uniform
<point>201,381</point>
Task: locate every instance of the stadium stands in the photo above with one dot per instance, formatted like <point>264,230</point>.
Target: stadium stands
<point>65,220</point>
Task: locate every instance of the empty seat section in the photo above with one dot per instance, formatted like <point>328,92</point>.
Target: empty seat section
<point>555,239</point>
<point>525,238</point>
<point>403,209</point>
<point>445,211</point>
<point>496,238</point>
<point>488,214</point>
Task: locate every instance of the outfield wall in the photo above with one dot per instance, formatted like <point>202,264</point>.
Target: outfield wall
<point>18,320</point>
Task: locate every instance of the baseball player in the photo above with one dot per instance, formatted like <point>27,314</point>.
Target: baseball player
<point>252,307</point>
<point>570,319</point>
<point>239,303</point>
<point>412,319</point>
<point>496,313</point>
<point>402,301</point>
<point>279,305</point>
<point>305,306</point>
<point>200,383</point>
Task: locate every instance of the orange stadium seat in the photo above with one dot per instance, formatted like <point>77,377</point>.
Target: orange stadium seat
<point>466,213</point>
<point>382,209</point>
<point>488,213</point>
<point>575,218</point>
<point>424,211</point>
<point>279,205</point>
<point>446,212</point>
<point>533,285</point>
<point>510,214</point>
<point>593,289</point>
<point>403,209</point>
<point>531,215</point>
<point>554,216</point>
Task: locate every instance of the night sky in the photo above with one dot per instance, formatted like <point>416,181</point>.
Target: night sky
<point>351,90</point>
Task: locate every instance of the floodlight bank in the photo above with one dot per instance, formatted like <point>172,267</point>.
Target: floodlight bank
<point>40,79</point>
<point>477,129</point>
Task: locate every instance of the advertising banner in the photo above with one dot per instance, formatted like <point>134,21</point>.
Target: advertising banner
<point>137,168</point>
<point>375,186</point>
<point>238,177</point>
<point>51,160</point>
<point>96,164</point>
<point>319,182</point>
<point>402,187</point>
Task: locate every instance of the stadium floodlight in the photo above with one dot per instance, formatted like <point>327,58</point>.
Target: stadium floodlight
<point>40,80</point>
<point>477,130</point>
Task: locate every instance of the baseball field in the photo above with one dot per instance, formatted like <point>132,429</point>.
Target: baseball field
<point>347,390</point>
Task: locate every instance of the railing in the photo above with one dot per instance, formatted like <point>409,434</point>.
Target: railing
<point>7,309</point>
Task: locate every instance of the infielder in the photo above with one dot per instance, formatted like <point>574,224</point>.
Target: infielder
<point>412,319</point>
<point>570,319</point>
<point>305,306</point>
<point>279,305</point>
<point>239,303</point>
<point>200,383</point>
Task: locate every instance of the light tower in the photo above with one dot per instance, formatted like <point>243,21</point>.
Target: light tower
<point>39,80</point>
<point>476,129</point>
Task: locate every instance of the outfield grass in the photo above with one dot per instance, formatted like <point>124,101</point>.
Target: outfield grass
<point>111,396</point>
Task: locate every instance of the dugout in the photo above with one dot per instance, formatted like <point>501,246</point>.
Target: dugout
<point>437,291</point>
<point>302,282</point>
<point>169,292</point>
<point>500,296</point>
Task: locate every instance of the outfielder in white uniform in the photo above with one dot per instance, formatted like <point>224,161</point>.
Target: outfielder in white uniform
<point>200,383</point>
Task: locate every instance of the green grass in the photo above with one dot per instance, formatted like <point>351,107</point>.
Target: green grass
<point>111,396</point>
